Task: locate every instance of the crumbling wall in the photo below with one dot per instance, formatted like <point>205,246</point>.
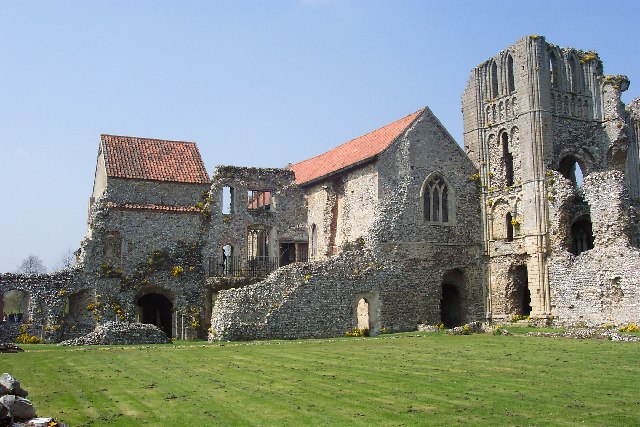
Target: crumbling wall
<point>599,286</point>
<point>285,218</point>
<point>48,314</point>
<point>388,263</point>
<point>320,299</point>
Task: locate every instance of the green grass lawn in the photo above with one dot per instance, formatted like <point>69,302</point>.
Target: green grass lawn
<point>402,379</point>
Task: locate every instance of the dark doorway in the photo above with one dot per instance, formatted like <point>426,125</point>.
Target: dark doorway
<point>156,310</point>
<point>581,235</point>
<point>450,314</point>
<point>520,295</point>
<point>287,253</point>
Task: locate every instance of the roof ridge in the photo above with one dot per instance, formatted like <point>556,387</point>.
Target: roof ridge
<point>364,134</point>
<point>148,139</point>
<point>353,152</point>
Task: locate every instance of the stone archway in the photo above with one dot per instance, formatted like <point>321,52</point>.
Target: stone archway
<point>15,306</point>
<point>156,309</point>
<point>367,312</point>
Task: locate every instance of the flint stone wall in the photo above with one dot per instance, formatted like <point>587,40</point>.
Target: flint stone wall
<point>319,299</point>
<point>599,286</point>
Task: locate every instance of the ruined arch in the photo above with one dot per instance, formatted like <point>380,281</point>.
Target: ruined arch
<point>15,306</point>
<point>438,200</point>
<point>575,82</point>
<point>572,169</point>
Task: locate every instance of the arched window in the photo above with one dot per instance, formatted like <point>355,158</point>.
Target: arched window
<point>509,224</point>
<point>258,242</point>
<point>508,159</point>
<point>494,80</point>
<point>510,78</point>
<point>573,74</point>
<point>436,201</point>
<point>553,68</point>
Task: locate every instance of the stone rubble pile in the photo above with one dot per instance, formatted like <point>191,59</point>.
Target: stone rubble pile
<point>587,333</point>
<point>15,410</point>
<point>112,333</point>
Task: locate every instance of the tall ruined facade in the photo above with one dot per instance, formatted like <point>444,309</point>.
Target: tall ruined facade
<point>537,216</point>
<point>558,167</point>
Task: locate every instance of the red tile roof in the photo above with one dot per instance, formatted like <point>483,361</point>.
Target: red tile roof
<point>353,152</point>
<point>153,159</point>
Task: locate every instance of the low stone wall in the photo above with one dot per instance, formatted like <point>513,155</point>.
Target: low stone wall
<point>320,299</point>
<point>111,333</point>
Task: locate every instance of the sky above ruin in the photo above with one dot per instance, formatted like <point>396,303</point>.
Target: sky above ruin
<point>254,83</point>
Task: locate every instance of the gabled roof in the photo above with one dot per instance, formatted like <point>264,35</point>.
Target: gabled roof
<point>352,153</point>
<point>153,159</point>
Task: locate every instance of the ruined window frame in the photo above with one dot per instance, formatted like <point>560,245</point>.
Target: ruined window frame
<point>445,198</point>
<point>262,199</point>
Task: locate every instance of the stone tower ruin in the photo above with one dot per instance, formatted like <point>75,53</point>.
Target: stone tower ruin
<point>558,171</point>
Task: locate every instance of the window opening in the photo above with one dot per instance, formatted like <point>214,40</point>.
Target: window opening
<point>581,235</point>
<point>573,74</point>
<point>257,243</point>
<point>508,159</point>
<point>259,200</point>
<point>314,240</point>
<point>553,68</point>
<point>436,201</point>
<point>510,77</point>
<point>227,200</point>
<point>494,80</point>
<point>509,222</point>
<point>570,168</point>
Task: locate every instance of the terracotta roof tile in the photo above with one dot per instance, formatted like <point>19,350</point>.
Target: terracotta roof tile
<point>153,159</point>
<point>353,152</point>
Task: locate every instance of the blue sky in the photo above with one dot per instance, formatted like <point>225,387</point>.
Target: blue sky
<point>254,83</point>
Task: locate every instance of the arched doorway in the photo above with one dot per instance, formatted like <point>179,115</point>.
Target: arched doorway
<point>451,302</point>
<point>450,315</point>
<point>156,309</point>
<point>363,314</point>
<point>518,293</point>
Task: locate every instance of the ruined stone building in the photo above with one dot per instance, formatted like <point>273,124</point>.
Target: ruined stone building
<point>536,216</point>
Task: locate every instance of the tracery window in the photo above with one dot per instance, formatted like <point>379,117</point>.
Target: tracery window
<point>436,199</point>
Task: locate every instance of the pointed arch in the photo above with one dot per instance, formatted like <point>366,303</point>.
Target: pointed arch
<point>554,71</point>
<point>438,200</point>
<point>511,83</point>
<point>494,80</point>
